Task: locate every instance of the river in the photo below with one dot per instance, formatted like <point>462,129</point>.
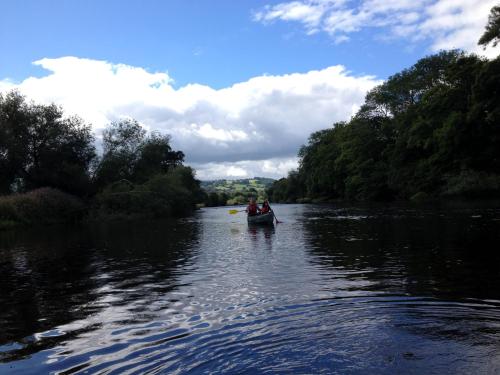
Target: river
<point>330,289</point>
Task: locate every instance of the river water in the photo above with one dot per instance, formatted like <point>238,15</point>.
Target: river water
<point>347,290</point>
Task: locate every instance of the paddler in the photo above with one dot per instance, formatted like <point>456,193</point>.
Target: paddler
<point>252,208</point>
<point>265,207</point>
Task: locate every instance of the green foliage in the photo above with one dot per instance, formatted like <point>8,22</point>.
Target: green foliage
<point>431,130</point>
<point>45,205</point>
<point>472,184</point>
<point>138,175</point>
<point>131,154</point>
<point>173,193</point>
<point>239,199</point>
<point>214,199</point>
<point>39,147</point>
<point>492,30</point>
<point>155,155</point>
<point>235,192</point>
<point>286,189</point>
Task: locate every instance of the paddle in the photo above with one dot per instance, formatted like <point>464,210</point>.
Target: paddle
<point>232,212</point>
<point>277,221</point>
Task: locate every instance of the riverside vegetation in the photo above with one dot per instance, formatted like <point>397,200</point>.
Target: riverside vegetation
<point>50,171</point>
<point>235,192</point>
<point>430,131</point>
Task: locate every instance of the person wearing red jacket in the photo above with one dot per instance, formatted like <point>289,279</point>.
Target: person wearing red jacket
<point>265,207</point>
<point>252,208</point>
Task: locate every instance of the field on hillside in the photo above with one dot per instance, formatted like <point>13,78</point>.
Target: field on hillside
<point>238,191</point>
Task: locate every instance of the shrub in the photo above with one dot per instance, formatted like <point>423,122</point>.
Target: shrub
<point>471,183</point>
<point>166,194</point>
<point>44,205</point>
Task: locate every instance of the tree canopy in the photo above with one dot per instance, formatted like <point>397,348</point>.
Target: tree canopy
<point>492,29</point>
<point>130,153</point>
<point>40,147</point>
<point>138,173</point>
<point>432,129</point>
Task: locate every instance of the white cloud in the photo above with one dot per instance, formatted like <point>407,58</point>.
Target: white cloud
<point>274,168</point>
<point>6,85</point>
<point>251,128</point>
<point>444,24</point>
<point>341,39</point>
<point>209,132</point>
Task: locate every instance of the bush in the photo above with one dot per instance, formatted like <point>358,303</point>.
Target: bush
<point>44,205</point>
<point>473,184</point>
<point>420,197</point>
<point>167,194</point>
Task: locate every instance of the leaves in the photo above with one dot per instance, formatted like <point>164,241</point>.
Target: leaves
<point>415,135</point>
<point>131,154</point>
<point>40,147</point>
<point>492,30</point>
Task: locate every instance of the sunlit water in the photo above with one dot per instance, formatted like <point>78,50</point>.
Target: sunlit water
<point>371,290</point>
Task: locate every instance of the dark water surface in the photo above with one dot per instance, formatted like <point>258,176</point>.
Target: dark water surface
<point>373,290</point>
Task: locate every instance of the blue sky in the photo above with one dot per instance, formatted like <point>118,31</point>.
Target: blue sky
<point>239,84</point>
<point>211,42</point>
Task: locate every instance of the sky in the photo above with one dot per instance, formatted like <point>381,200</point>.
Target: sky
<point>239,85</point>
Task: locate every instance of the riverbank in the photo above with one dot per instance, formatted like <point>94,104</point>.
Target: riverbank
<point>420,198</point>
<point>40,206</point>
<point>121,201</point>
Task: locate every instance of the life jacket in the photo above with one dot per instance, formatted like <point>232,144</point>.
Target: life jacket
<point>252,209</point>
<point>265,209</point>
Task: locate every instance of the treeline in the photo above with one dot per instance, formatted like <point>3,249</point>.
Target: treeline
<point>235,192</point>
<point>49,162</point>
<point>216,199</point>
<point>432,130</point>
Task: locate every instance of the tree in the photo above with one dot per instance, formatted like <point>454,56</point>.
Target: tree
<point>40,147</point>
<point>131,154</point>
<point>156,156</point>
<point>121,145</point>
<point>14,124</point>
<point>125,136</point>
<point>492,29</point>
<point>430,130</point>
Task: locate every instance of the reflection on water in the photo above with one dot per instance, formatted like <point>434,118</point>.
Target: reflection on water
<point>336,290</point>
<point>64,275</point>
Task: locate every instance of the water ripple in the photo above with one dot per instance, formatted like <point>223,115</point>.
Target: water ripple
<point>341,291</point>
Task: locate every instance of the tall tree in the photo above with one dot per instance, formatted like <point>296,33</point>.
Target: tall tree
<point>40,147</point>
<point>492,29</point>
<point>432,129</point>
<point>156,156</point>
<point>121,149</point>
<point>130,153</point>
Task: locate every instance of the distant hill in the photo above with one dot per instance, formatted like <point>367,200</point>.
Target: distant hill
<point>238,191</point>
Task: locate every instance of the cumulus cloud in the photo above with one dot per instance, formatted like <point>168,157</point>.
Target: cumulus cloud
<point>275,168</point>
<point>444,24</point>
<point>252,128</point>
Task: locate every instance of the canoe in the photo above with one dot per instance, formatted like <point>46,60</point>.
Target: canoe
<point>261,219</point>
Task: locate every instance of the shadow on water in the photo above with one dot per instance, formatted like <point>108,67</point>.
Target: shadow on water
<point>428,280</point>
<point>449,253</point>
<point>56,275</point>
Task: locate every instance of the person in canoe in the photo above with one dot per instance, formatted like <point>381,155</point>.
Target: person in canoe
<point>265,207</point>
<point>252,208</point>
